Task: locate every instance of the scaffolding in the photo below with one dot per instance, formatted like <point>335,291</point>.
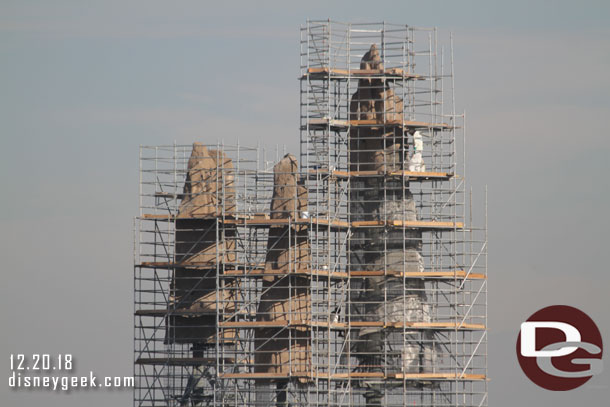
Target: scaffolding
<point>349,276</point>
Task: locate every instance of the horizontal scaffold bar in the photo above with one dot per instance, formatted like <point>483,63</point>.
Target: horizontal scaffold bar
<point>316,324</point>
<point>245,271</point>
<point>354,325</point>
<point>410,175</point>
<point>336,73</point>
<point>413,224</point>
<point>343,125</point>
<point>450,275</point>
<point>171,361</point>
<point>360,375</point>
<point>419,274</point>
<point>224,267</point>
<point>173,312</point>
<point>265,221</point>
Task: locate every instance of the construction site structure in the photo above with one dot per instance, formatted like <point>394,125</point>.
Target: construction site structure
<point>348,275</point>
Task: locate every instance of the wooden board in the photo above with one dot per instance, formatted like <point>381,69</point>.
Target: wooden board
<point>411,175</point>
<point>460,274</point>
<point>333,223</point>
<point>359,375</point>
<point>394,73</point>
<point>410,224</point>
<point>345,124</point>
<point>353,324</point>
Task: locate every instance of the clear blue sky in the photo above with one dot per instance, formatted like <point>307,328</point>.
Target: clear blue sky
<point>83,83</point>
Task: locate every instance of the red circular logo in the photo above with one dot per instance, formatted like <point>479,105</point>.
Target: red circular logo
<point>559,348</point>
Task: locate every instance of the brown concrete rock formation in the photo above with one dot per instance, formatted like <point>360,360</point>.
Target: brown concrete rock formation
<point>387,298</point>
<point>372,59</point>
<point>375,148</point>
<point>287,247</point>
<point>191,292</point>
<point>209,191</point>
<point>285,297</point>
<point>289,197</point>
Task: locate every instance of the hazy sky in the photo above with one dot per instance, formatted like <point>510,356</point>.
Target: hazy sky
<point>83,83</point>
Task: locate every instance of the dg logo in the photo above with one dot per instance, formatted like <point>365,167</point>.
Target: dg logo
<point>560,348</point>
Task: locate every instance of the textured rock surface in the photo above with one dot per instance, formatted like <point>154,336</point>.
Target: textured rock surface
<point>285,298</point>
<point>191,292</point>
<point>196,243</point>
<point>289,197</point>
<point>209,187</point>
<point>208,191</point>
<point>384,298</point>
<point>398,209</point>
<point>375,148</point>
<point>287,247</point>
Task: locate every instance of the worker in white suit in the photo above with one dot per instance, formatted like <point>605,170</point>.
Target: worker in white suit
<point>416,162</point>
